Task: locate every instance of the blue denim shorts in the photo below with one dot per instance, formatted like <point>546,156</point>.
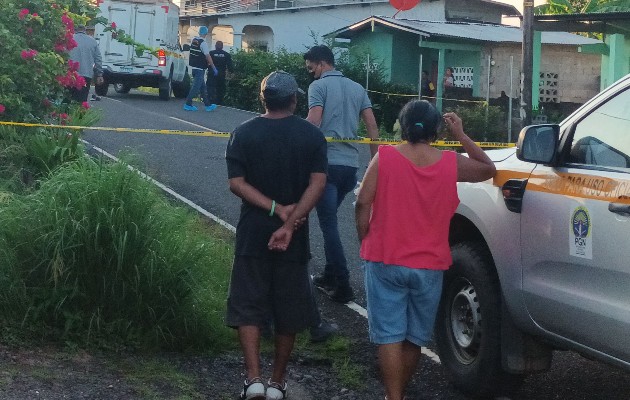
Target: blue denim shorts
<point>401,302</point>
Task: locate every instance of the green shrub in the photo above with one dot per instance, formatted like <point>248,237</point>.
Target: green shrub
<point>492,129</point>
<point>97,252</point>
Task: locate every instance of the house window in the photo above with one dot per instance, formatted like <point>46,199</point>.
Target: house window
<point>548,88</point>
<point>463,77</point>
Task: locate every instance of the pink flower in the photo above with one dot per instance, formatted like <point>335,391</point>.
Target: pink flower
<point>23,13</point>
<point>47,103</point>
<point>2,108</point>
<point>35,15</point>
<point>85,105</point>
<point>114,25</point>
<point>60,47</point>
<point>73,65</point>
<point>28,54</point>
<point>29,31</point>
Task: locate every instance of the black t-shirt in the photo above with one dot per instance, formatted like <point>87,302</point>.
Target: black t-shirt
<point>277,157</point>
<point>222,60</point>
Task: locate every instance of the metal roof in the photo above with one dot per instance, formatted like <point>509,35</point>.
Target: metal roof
<point>461,30</point>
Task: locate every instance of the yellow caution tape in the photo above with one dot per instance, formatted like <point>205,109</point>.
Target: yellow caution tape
<point>439,143</point>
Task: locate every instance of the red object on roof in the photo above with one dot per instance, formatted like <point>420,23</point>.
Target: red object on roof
<point>404,5</point>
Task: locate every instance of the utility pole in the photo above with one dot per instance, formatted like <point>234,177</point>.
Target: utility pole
<point>527,65</point>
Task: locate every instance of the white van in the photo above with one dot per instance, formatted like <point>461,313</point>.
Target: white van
<point>153,23</point>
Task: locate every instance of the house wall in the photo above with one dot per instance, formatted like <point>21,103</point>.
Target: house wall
<point>379,46</point>
<point>578,74</point>
<point>406,53</point>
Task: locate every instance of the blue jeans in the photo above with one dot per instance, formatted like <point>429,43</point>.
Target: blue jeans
<point>341,180</point>
<point>198,85</point>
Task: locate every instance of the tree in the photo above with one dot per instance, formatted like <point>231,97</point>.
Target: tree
<point>582,6</point>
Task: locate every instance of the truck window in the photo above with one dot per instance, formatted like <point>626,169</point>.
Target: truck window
<point>602,138</point>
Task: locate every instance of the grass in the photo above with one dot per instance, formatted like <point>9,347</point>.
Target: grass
<point>97,252</point>
<point>146,377</point>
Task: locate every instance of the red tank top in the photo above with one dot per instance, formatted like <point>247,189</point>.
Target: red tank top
<point>412,211</point>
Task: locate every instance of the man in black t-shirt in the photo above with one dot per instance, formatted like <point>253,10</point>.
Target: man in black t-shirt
<point>216,83</point>
<point>277,165</point>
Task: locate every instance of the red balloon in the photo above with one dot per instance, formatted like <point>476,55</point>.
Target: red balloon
<point>404,5</point>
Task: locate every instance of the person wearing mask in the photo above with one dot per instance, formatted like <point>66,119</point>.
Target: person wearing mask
<point>216,83</point>
<point>199,60</point>
<point>88,55</point>
<point>403,212</point>
<point>336,104</point>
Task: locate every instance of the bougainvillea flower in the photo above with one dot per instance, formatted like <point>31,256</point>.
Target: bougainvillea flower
<point>23,13</point>
<point>28,54</point>
<point>114,25</point>
<point>85,105</point>
<point>2,108</point>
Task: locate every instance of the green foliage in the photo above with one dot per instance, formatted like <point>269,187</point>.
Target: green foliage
<point>97,253</point>
<point>582,6</point>
<point>250,67</point>
<point>478,126</point>
<point>34,38</point>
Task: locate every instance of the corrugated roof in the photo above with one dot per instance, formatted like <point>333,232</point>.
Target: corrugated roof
<point>466,30</point>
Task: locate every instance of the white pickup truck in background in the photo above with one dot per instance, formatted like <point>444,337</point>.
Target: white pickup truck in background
<point>153,23</point>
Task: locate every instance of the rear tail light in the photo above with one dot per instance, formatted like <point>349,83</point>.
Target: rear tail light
<point>161,58</point>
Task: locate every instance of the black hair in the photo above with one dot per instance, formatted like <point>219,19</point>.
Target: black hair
<point>320,53</point>
<point>419,121</point>
<point>279,104</point>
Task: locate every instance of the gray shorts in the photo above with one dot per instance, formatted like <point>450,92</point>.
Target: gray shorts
<point>264,290</point>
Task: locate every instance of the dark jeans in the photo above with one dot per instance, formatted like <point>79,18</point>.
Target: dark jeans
<point>81,95</point>
<point>216,87</point>
<point>341,181</point>
<point>198,85</point>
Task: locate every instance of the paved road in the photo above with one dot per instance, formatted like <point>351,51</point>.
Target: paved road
<point>195,168</point>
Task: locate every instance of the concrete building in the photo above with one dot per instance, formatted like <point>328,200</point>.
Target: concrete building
<point>298,24</point>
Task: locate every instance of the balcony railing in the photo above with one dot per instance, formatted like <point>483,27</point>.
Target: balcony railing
<point>200,7</point>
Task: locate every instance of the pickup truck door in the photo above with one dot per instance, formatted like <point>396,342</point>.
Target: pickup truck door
<point>575,233</point>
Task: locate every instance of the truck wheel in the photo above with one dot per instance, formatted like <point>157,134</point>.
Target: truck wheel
<point>122,88</point>
<point>468,324</point>
<point>181,89</point>
<point>165,88</point>
<point>101,90</point>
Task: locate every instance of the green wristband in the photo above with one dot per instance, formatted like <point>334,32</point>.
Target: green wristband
<point>273,208</point>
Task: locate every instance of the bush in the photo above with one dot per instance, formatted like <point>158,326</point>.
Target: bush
<point>35,37</point>
<point>492,129</point>
<point>96,252</point>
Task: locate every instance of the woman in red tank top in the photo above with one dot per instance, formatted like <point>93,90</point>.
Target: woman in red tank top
<point>403,211</point>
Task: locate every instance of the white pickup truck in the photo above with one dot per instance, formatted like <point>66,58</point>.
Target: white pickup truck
<point>540,253</point>
<point>153,23</point>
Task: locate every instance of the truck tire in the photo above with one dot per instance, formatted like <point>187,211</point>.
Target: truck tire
<point>181,89</point>
<point>165,88</point>
<point>101,90</point>
<point>122,88</point>
<point>468,324</point>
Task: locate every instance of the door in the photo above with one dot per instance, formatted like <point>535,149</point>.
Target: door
<point>122,15</point>
<point>143,31</point>
<point>575,233</point>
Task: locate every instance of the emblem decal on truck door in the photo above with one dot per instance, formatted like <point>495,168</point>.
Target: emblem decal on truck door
<point>581,237</point>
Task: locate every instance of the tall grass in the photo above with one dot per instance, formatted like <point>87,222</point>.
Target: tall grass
<point>96,252</point>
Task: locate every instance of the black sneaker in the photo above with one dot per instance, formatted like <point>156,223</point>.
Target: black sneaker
<point>322,332</point>
<point>324,282</point>
<point>342,294</point>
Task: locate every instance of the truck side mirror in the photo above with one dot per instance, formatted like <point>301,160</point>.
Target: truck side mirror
<point>186,47</point>
<point>538,143</point>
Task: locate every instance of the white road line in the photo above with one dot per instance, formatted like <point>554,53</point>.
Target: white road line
<point>351,305</point>
<point>170,191</point>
